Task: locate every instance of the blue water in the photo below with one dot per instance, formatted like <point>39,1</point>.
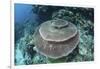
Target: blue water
<point>24,12</point>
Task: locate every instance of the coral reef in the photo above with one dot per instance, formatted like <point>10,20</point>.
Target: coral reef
<point>83,18</point>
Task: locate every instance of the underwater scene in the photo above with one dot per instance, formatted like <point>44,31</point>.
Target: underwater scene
<point>45,34</point>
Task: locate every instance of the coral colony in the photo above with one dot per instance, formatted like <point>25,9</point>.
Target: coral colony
<point>56,38</point>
